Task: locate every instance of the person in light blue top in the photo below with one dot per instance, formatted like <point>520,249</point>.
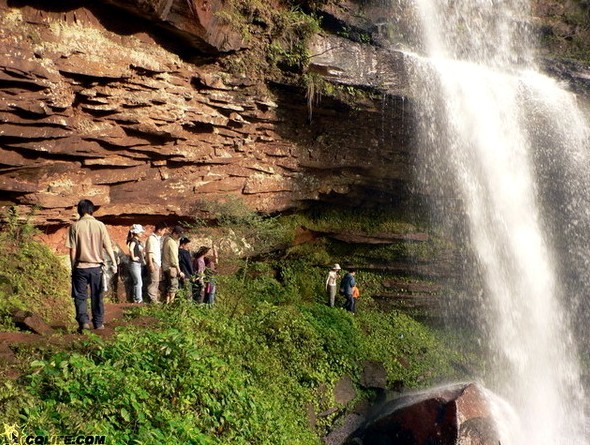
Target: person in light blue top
<point>136,255</point>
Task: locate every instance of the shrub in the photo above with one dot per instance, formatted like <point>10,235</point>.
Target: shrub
<point>245,371</point>
<point>209,377</point>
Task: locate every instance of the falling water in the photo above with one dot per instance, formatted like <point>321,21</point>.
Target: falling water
<point>493,131</point>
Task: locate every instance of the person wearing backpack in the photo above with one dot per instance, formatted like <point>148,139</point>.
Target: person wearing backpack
<point>346,285</point>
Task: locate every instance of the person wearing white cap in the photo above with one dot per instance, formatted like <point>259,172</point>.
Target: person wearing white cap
<point>136,255</point>
<point>331,283</point>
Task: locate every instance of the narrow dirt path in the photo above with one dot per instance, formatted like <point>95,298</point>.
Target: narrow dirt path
<point>11,341</point>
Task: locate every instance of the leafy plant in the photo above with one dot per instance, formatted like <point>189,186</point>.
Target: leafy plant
<point>243,372</point>
<point>247,235</point>
<point>209,378</point>
<point>278,36</point>
<point>288,48</point>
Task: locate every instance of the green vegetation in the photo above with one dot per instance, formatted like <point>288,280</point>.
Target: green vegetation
<point>296,269</point>
<point>204,376</point>
<point>375,222</point>
<point>248,232</point>
<point>31,276</point>
<point>246,371</point>
<point>565,30</point>
<point>288,49</point>
<point>317,87</point>
<point>369,221</point>
<point>277,37</point>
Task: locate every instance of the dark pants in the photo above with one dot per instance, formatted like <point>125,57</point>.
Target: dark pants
<point>350,304</point>
<point>81,279</point>
<point>198,292</point>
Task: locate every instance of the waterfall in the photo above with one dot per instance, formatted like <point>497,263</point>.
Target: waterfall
<point>493,128</point>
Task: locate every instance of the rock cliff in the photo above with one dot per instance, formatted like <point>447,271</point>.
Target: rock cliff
<point>129,107</point>
<point>131,103</point>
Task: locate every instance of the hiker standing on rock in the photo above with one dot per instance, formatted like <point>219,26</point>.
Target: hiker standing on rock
<point>86,240</point>
<point>346,288</point>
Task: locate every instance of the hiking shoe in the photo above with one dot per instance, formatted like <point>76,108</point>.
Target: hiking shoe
<point>82,327</point>
<point>99,328</point>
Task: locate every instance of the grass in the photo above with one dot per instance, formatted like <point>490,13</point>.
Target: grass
<point>31,276</point>
<point>211,376</point>
<point>367,221</point>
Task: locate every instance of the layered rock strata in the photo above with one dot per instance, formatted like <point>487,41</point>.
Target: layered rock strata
<point>97,103</point>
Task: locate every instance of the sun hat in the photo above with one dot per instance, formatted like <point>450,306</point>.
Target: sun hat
<point>137,229</point>
<point>336,267</point>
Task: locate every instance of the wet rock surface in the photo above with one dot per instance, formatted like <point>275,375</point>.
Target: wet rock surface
<point>454,415</point>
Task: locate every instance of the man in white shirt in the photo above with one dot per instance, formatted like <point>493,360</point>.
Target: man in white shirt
<point>331,283</point>
<point>153,258</point>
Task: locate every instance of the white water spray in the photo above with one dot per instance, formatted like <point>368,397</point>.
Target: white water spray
<point>486,113</point>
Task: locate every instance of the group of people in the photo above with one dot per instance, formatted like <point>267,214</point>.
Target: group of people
<point>163,254</point>
<point>198,271</point>
<point>348,288</point>
<point>168,254</point>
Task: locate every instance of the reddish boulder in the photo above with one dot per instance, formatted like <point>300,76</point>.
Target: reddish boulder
<point>450,415</point>
<point>31,322</point>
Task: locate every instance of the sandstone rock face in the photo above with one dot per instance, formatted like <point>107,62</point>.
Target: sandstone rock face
<point>453,415</point>
<point>95,103</point>
<point>199,22</point>
<point>341,61</point>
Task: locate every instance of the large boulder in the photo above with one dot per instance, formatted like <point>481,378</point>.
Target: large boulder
<point>451,415</point>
